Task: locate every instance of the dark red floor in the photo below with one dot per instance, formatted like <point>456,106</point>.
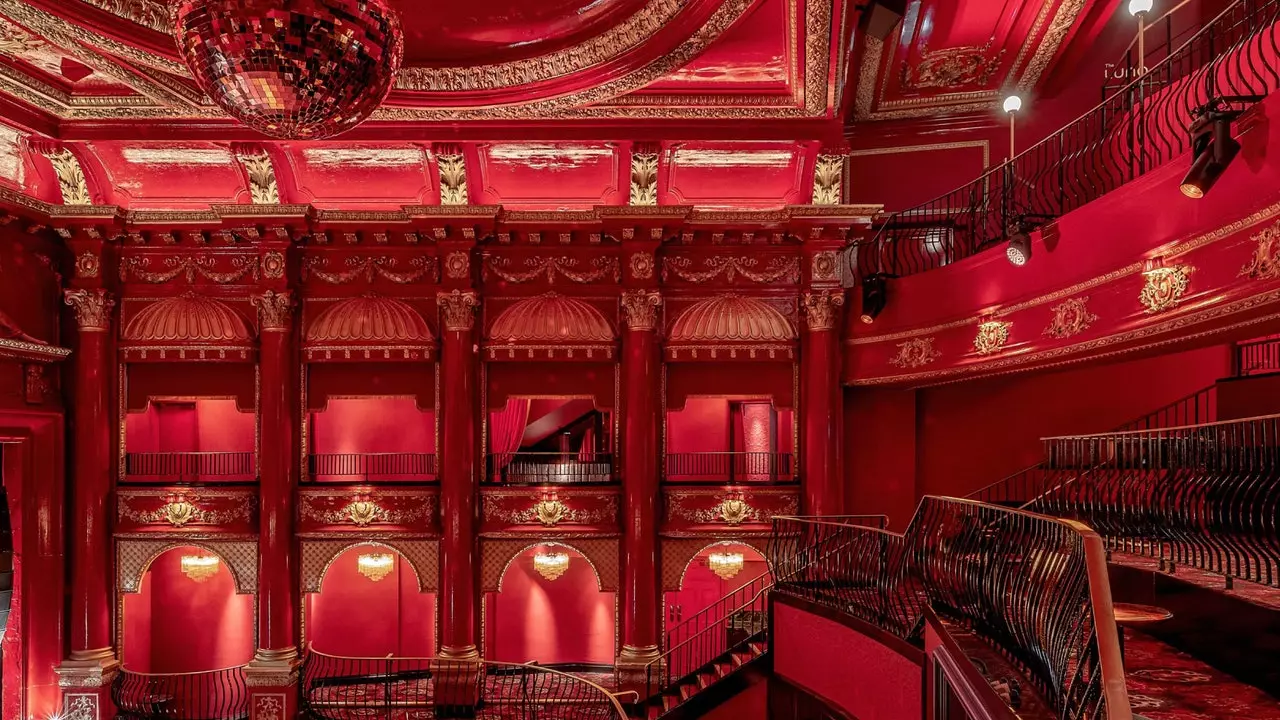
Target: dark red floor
<point>1166,684</point>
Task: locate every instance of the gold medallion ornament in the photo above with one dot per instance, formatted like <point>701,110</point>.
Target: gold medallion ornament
<point>641,266</point>
<point>734,510</point>
<point>550,511</point>
<point>1265,263</point>
<point>1164,287</point>
<point>1070,318</point>
<point>914,353</point>
<point>457,264</point>
<point>992,336</point>
<point>87,265</point>
<point>823,267</point>
<point>273,265</point>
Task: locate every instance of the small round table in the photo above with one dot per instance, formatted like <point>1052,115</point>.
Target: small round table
<point>1133,615</point>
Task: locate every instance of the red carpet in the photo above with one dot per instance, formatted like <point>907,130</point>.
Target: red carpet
<point>1165,684</point>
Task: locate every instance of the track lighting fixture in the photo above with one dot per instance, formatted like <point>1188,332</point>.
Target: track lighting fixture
<point>1212,150</point>
<point>1019,249</point>
<point>875,294</point>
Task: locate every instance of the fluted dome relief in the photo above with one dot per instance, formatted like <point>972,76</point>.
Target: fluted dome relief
<point>550,318</point>
<point>731,318</point>
<point>187,319</point>
<point>369,320</point>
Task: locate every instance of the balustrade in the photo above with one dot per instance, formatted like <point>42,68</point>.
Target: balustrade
<point>371,467</point>
<point>190,466</point>
<point>206,695</point>
<point>730,467</point>
<point>538,468</point>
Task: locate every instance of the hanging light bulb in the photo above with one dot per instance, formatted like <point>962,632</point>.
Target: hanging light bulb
<point>375,567</point>
<point>551,565</point>
<point>727,564</point>
<point>200,567</point>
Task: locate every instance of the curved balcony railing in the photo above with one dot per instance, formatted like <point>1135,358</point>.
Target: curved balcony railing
<point>352,688</point>
<point>1258,357</point>
<point>1143,125</point>
<point>1205,496</point>
<point>1033,586</point>
<point>371,467</point>
<point>549,468</point>
<point>190,466</point>
<point>205,695</point>
<point>730,467</point>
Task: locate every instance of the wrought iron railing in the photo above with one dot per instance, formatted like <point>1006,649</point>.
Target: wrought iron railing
<point>186,466</point>
<point>1033,586</point>
<point>1145,124</point>
<point>206,695</point>
<point>1203,495</point>
<point>731,467</point>
<point>1030,483</point>
<point>373,467</point>
<point>1258,357</point>
<point>538,468</point>
<point>6,561</point>
<point>349,688</point>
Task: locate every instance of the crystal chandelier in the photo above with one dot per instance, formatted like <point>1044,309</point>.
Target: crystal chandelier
<point>551,565</point>
<point>375,567</point>
<point>200,567</point>
<point>292,69</point>
<point>727,564</point>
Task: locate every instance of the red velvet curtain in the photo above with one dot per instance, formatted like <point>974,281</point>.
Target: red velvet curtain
<point>506,429</point>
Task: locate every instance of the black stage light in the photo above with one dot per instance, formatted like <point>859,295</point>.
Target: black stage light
<point>875,293</point>
<point>1212,149</point>
<point>1019,250</point>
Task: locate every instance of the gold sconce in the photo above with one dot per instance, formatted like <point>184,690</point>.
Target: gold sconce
<point>725,564</point>
<point>200,567</point>
<point>375,566</point>
<point>551,565</point>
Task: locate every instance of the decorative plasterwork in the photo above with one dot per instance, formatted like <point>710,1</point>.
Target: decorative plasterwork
<point>640,309</point>
<point>147,13</point>
<point>1265,263</point>
<point>603,269</point>
<point>828,176</point>
<point>274,310</point>
<point>678,553</point>
<point>92,309</point>
<point>422,555</point>
<point>1070,318</point>
<point>496,555</point>
<point>822,309</point>
<point>992,336</point>
<point>644,178</point>
<point>642,265</point>
<point>952,68</point>
<point>369,320</point>
<point>88,265</point>
<point>453,178</point>
<point>186,507</point>
<point>548,510</point>
<point>824,268</point>
<point>71,180</point>
<point>731,318</point>
<point>778,269</point>
<point>458,309</point>
<point>915,352</point>
<point>550,318</point>
<point>133,557</point>
<point>1164,287</point>
<point>366,269</point>
<point>262,178</point>
<point>187,318</point>
<point>732,509</point>
<point>364,509</point>
<point>189,267</point>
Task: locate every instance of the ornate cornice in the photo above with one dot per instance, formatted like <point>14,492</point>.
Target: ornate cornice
<point>640,309</point>
<point>92,309</point>
<point>458,309</point>
<point>274,310</point>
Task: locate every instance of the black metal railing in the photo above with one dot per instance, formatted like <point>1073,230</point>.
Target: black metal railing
<point>347,688</point>
<point>1258,357</point>
<point>207,695</point>
<point>1030,483</point>
<point>1033,586</point>
<point>371,467</point>
<point>1203,495</point>
<point>731,467</point>
<point>1145,124</point>
<point>6,561</point>
<point>539,468</point>
<point>190,466</point>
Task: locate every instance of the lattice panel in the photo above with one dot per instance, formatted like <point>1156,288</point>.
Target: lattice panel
<point>422,555</point>
<point>677,553</point>
<point>133,557</point>
<point>602,553</point>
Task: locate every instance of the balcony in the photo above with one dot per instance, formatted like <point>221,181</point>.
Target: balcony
<point>371,467</point>
<point>549,468</point>
<point>171,467</point>
<point>731,467</point>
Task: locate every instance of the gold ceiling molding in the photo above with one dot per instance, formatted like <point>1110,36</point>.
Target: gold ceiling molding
<point>71,180</point>
<point>262,178</point>
<point>614,42</point>
<point>1068,11</point>
<point>152,14</point>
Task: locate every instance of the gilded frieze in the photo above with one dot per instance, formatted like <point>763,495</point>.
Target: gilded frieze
<point>1164,287</point>
<point>1265,263</point>
<point>916,352</point>
<point>549,268</point>
<point>992,336</point>
<point>778,269</point>
<point>365,269</point>
<point>1070,318</point>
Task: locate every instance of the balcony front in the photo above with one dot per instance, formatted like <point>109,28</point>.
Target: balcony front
<point>371,440</point>
<point>190,441</point>
<point>549,441</point>
<point>723,441</point>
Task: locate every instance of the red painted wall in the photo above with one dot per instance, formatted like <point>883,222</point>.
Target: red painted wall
<point>369,425</point>
<point>207,424</point>
<point>566,620</point>
<point>702,588</point>
<point>703,426</point>
<point>954,439</point>
<point>177,625</point>
<point>849,669</point>
<point>355,616</point>
<point>752,703</point>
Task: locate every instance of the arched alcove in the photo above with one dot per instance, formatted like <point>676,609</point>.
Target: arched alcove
<point>551,610</point>
<point>186,615</point>
<point>701,586</point>
<point>370,605</point>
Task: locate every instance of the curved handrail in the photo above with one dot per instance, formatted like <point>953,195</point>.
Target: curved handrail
<point>182,674</point>
<point>1158,431</point>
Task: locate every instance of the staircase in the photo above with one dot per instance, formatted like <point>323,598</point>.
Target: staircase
<point>710,674</point>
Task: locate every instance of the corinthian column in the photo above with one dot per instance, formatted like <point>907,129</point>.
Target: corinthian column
<point>641,379</point>
<point>820,407</point>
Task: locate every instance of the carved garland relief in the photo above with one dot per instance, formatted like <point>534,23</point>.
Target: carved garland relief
<point>914,353</point>
<point>603,269</point>
<point>777,269</point>
<point>367,268</point>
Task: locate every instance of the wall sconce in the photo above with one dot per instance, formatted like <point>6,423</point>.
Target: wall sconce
<point>200,567</point>
<point>551,565</point>
<point>727,564</point>
<point>375,567</point>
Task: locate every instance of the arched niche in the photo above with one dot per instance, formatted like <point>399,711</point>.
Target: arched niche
<point>369,601</point>
<point>186,612</point>
<point>554,614</point>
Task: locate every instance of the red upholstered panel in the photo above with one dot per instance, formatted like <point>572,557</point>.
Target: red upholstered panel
<point>850,670</point>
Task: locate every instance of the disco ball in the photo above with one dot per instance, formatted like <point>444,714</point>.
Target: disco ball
<point>292,69</point>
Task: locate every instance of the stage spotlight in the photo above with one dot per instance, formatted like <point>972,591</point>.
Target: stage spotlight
<point>875,293</point>
<point>1212,150</point>
<point>1019,250</point>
